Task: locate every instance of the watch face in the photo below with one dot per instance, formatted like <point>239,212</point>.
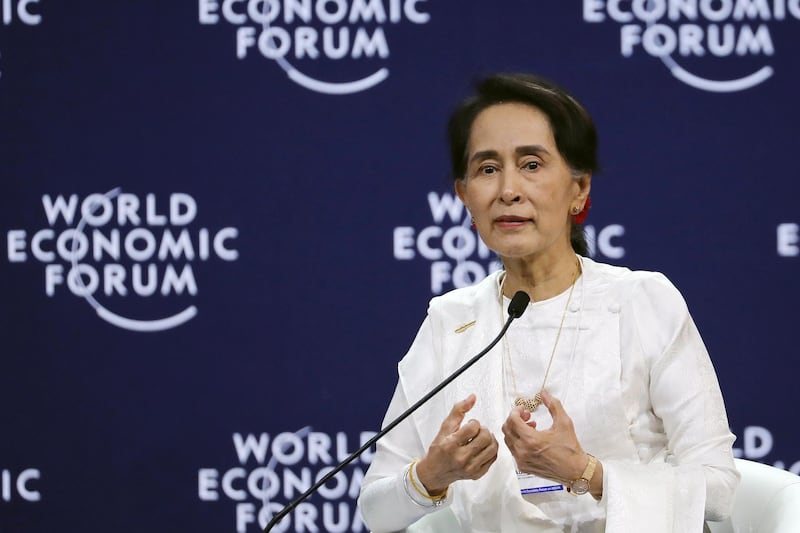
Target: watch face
<point>580,486</point>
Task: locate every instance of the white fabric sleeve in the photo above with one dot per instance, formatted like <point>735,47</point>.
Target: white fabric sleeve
<point>696,479</point>
<point>386,501</point>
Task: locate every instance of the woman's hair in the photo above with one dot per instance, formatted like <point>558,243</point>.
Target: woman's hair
<point>573,129</point>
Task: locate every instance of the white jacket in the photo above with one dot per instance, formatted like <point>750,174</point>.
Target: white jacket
<point>642,394</point>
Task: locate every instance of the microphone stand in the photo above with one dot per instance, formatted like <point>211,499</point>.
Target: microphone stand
<point>515,310</point>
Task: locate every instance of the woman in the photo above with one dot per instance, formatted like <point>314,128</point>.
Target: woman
<point>600,410</point>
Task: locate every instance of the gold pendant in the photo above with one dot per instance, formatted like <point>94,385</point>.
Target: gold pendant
<point>530,404</point>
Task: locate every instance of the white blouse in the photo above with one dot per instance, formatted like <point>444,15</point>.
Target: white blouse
<point>632,373</point>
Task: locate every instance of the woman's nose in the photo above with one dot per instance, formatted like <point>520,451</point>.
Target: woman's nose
<point>509,191</point>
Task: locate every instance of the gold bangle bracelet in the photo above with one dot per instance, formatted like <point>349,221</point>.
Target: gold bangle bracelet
<point>421,492</point>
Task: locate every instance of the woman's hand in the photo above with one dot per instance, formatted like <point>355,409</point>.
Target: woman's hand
<point>554,453</point>
<point>457,452</point>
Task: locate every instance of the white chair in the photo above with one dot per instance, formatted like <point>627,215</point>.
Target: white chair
<point>767,501</point>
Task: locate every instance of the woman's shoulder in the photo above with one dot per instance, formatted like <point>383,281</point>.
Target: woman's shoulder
<point>649,305</point>
<point>633,284</point>
<point>648,296</point>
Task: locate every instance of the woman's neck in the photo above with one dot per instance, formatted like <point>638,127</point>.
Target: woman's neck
<point>541,278</point>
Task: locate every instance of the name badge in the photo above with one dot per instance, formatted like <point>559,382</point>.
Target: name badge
<point>531,484</point>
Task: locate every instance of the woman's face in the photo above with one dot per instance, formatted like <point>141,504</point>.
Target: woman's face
<point>518,188</point>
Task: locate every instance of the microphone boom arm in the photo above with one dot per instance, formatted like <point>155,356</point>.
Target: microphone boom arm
<point>516,312</point>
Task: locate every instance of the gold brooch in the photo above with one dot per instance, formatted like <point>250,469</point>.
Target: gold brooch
<point>465,327</point>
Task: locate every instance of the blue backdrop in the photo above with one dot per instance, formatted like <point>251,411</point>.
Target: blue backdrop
<point>224,219</point>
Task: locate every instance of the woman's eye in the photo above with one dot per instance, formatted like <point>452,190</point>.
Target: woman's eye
<point>531,165</point>
<point>488,169</point>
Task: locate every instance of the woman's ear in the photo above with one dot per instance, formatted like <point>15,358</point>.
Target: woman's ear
<point>584,183</point>
<point>461,190</point>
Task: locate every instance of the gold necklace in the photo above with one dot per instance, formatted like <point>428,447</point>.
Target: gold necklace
<point>531,404</point>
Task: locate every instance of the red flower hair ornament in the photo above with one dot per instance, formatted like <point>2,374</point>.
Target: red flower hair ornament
<point>580,217</point>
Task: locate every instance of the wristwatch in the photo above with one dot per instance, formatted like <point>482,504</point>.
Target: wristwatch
<point>581,485</point>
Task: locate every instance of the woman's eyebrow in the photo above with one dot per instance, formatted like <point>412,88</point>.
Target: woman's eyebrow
<point>483,154</point>
<point>533,149</point>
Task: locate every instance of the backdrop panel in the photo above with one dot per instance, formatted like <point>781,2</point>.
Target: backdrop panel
<point>223,221</point>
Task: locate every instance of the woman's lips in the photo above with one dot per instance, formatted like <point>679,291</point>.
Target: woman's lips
<point>511,221</point>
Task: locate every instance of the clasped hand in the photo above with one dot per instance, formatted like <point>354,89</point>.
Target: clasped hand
<point>457,452</point>
<point>554,453</point>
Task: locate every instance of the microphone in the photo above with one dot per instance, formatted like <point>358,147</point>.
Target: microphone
<point>518,304</point>
<point>515,309</point>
